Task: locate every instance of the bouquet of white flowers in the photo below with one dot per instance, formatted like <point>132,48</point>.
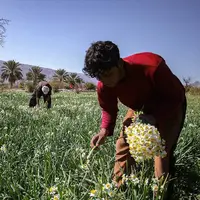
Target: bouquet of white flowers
<point>144,140</point>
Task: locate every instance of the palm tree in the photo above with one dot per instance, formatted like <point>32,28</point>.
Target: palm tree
<point>74,79</point>
<point>1,81</point>
<point>35,75</point>
<point>61,75</point>
<point>11,71</point>
<point>79,82</point>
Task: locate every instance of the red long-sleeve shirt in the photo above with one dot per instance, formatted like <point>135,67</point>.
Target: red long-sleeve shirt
<point>148,85</point>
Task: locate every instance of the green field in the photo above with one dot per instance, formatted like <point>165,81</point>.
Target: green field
<point>43,148</point>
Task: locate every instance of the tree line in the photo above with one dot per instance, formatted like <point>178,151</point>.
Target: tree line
<point>12,72</point>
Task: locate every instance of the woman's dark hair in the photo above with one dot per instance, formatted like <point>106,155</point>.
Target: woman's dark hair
<point>100,57</point>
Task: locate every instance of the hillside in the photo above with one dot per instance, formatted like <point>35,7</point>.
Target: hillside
<point>49,72</point>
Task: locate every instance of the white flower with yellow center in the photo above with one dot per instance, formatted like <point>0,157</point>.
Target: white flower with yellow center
<point>53,190</point>
<point>111,193</point>
<point>107,186</point>
<point>56,197</point>
<point>93,193</point>
<point>155,188</point>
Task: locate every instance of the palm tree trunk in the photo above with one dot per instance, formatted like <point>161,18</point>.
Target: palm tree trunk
<point>34,83</point>
<point>11,85</point>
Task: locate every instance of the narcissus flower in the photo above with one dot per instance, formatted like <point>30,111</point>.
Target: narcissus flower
<point>144,141</point>
<point>93,193</point>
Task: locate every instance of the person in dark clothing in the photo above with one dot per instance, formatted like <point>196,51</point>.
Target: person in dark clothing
<point>141,81</point>
<point>43,89</point>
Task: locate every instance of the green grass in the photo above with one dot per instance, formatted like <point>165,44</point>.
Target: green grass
<point>46,148</point>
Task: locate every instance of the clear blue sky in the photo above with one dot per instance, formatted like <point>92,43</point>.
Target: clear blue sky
<point>56,33</point>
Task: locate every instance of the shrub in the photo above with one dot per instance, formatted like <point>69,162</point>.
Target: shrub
<point>90,86</point>
<point>22,85</point>
<point>29,87</point>
<point>55,86</point>
<point>194,90</point>
<point>68,86</point>
<point>4,86</point>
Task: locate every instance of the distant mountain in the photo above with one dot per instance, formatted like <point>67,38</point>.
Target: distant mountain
<point>50,72</point>
<point>196,84</point>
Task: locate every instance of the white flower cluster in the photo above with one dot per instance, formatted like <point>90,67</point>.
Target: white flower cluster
<point>108,190</point>
<point>3,148</point>
<point>53,191</point>
<point>132,178</point>
<point>154,183</point>
<point>144,141</point>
